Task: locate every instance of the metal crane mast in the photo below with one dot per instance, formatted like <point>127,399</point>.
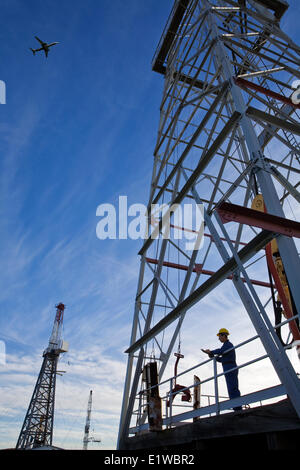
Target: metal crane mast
<point>37,429</point>
<point>228,132</point>
<point>88,422</point>
<point>86,438</point>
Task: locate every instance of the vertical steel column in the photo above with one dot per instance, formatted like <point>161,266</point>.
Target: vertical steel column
<point>131,356</point>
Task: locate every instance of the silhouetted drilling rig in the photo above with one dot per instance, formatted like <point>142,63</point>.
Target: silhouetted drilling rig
<point>37,429</point>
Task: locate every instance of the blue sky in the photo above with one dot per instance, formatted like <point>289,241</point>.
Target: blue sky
<point>78,130</point>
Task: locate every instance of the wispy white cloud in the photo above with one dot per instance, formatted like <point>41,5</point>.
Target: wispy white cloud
<point>56,256</point>
<point>88,369</point>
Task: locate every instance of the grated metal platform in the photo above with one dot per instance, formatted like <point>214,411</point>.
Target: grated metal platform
<point>269,427</point>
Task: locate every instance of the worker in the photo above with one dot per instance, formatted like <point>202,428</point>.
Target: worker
<point>228,361</point>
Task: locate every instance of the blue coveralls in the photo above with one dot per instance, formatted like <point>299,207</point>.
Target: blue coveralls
<point>228,361</point>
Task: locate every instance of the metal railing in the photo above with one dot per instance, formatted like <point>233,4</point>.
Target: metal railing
<point>220,402</point>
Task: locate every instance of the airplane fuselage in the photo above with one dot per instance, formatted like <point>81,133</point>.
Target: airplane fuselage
<point>45,47</point>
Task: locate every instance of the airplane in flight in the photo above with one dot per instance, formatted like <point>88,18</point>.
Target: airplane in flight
<point>45,47</point>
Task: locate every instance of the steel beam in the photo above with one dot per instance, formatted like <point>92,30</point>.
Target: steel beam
<point>241,82</point>
<point>259,115</point>
<point>198,269</point>
<point>130,358</point>
<point>169,35</point>
<point>232,212</point>
<point>285,183</point>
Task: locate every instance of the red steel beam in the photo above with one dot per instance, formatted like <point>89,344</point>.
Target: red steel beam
<point>234,213</point>
<point>242,83</point>
<point>184,229</point>
<point>198,269</point>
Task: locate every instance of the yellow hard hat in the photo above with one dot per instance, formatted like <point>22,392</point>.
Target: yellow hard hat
<point>223,330</point>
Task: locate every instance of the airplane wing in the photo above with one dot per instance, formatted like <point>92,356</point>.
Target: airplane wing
<point>53,44</point>
<point>40,41</point>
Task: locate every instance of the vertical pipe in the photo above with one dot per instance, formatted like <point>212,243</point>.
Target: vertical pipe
<point>171,400</point>
<point>216,386</point>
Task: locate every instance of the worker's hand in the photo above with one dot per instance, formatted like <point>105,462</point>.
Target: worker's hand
<point>206,351</point>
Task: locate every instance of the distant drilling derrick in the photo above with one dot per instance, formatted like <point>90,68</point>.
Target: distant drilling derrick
<point>227,144</point>
<point>88,422</point>
<point>37,429</point>
<point>86,438</point>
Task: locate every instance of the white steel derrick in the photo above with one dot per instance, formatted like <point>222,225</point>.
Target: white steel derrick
<point>219,139</point>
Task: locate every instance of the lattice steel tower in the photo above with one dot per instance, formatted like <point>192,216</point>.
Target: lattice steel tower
<point>227,142</point>
<point>88,422</point>
<point>86,438</point>
<point>37,429</point>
